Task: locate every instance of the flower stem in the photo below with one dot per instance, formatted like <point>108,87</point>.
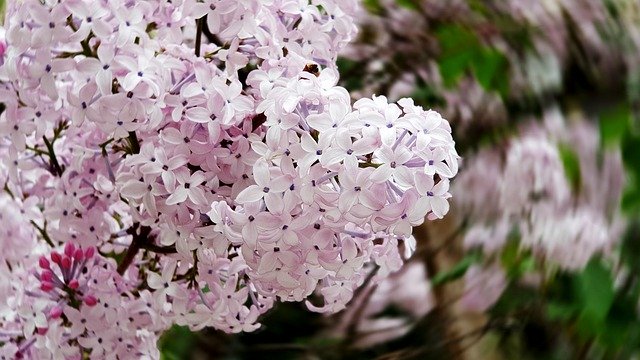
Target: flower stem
<point>199,27</point>
<point>133,141</point>
<point>53,160</point>
<point>43,233</point>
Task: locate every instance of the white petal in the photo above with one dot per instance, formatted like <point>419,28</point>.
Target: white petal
<point>250,194</point>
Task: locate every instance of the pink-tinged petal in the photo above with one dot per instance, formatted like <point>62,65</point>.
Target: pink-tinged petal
<point>441,187</point>
<point>102,29</point>
<point>424,183</point>
<point>168,271</point>
<point>382,173</point>
<point>403,228</point>
<point>404,176</point>
<point>419,211</point>
<point>175,291</point>
<point>48,84</point>
<point>261,173</point>
<point>392,211</point>
<point>191,90</point>
<point>307,143</point>
<point>196,195</point>
<point>169,180</point>
<point>321,122</point>
<point>176,113</point>
<point>369,199</point>
<point>332,156</point>
<point>198,114</point>
<point>155,281</point>
<point>87,91</point>
<point>106,52</point>
<point>250,194</point>
<point>349,249</point>
<point>346,201</point>
<point>268,262</point>
<point>134,189</point>
<point>250,233</point>
<point>443,170</point>
<point>290,238</point>
<point>288,258</point>
<point>388,135</point>
<point>286,280</point>
<point>131,80</point>
<point>423,141</point>
<point>89,65</point>
<point>178,196</point>
<point>339,110</point>
<point>172,136</point>
<point>280,184</point>
<point>274,203</point>
<point>104,79</point>
<point>439,206</point>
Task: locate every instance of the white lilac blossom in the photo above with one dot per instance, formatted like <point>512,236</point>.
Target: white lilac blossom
<point>206,146</point>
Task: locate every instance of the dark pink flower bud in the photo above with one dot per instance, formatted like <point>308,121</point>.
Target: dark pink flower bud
<point>74,284</point>
<point>78,254</point>
<point>66,262</point>
<point>55,312</point>
<point>90,300</point>
<point>56,257</point>
<point>69,249</point>
<point>43,262</point>
<point>89,252</point>
<point>46,275</point>
<point>46,286</point>
<point>41,331</point>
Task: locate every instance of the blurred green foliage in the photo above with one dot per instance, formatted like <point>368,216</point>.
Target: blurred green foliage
<point>462,52</point>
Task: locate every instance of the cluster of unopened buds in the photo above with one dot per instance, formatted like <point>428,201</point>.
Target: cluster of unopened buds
<point>63,283</point>
<point>197,162</point>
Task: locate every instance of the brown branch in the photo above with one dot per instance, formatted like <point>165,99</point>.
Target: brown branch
<point>364,292</point>
<point>141,236</point>
<point>199,25</point>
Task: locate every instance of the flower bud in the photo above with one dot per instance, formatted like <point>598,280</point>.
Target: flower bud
<point>90,300</point>
<point>69,249</point>
<point>74,284</point>
<point>78,255</point>
<point>55,257</point>
<point>88,253</point>
<point>46,275</point>
<point>46,286</point>
<point>66,262</point>
<point>43,262</point>
<point>55,312</point>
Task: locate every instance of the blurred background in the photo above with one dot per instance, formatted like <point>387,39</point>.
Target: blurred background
<point>540,255</point>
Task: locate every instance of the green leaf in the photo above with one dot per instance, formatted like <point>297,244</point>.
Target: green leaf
<point>571,166</point>
<point>490,68</point>
<point>457,271</point>
<point>459,47</point>
<point>176,343</point>
<point>631,158</point>
<point>559,311</point>
<point>594,290</point>
<point>614,123</point>
<point>408,4</point>
<point>373,6</point>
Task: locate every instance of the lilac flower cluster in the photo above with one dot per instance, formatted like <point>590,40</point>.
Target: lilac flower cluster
<point>194,162</point>
<point>563,224</point>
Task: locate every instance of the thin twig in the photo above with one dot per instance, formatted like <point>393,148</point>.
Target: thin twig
<point>199,26</point>
<point>43,233</point>
<point>53,160</point>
